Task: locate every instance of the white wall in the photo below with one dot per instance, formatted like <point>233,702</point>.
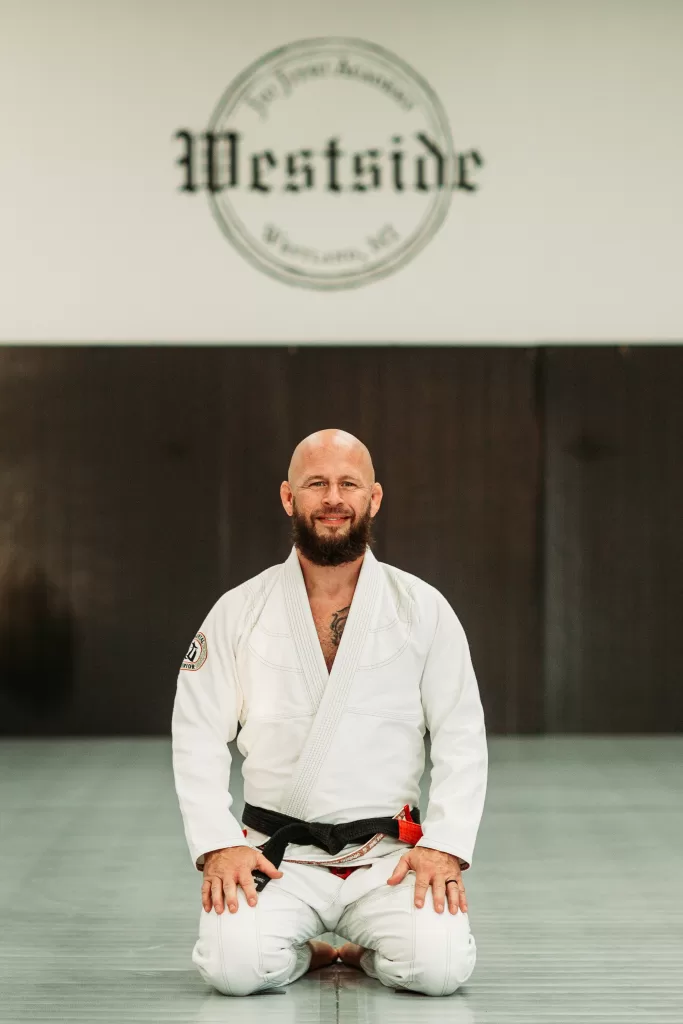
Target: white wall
<point>573,235</point>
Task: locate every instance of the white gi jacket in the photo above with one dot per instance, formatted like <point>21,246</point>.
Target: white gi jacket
<point>338,746</point>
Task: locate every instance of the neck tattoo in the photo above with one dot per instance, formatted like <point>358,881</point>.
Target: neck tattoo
<point>337,624</point>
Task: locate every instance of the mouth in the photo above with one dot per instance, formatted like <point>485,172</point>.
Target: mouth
<point>333,520</point>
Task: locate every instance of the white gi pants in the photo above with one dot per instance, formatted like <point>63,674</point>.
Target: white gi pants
<point>265,947</point>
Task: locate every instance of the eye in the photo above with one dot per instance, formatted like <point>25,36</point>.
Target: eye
<point>317,483</point>
<point>348,483</point>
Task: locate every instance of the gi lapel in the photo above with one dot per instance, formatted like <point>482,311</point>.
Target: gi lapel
<point>328,693</point>
<point>303,629</point>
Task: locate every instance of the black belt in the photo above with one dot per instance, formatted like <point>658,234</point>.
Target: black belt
<point>283,830</point>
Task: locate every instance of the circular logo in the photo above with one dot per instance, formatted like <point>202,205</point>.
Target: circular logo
<point>196,655</point>
<point>331,163</point>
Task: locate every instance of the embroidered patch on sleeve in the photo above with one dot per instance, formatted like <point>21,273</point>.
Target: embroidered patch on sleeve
<point>196,655</point>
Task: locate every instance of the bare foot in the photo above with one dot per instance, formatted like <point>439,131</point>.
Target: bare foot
<point>323,954</point>
<point>350,954</point>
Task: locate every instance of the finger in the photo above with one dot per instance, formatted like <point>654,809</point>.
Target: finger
<point>206,895</point>
<point>217,894</point>
<point>230,889</point>
<point>463,900</point>
<point>263,864</point>
<point>421,885</point>
<point>439,892</point>
<point>400,872</point>
<point>453,894</point>
<point>246,880</point>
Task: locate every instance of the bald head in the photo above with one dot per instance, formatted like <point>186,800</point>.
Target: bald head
<point>330,447</point>
<point>331,495</point>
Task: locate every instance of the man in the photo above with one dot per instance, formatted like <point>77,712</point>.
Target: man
<point>334,665</point>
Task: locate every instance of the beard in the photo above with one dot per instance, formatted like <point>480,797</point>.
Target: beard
<point>331,550</point>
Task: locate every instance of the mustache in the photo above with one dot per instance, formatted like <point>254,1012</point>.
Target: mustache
<point>321,513</point>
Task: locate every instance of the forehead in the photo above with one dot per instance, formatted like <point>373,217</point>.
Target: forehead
<point>333,460</point>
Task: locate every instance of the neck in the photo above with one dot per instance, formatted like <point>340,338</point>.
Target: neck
<point>329,580</point>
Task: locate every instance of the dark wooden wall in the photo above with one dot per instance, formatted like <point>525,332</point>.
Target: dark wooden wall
<point>538,489</point>
<point>614,540</point>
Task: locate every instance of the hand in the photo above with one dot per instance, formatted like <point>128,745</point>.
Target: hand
<point>432,867</point>
<point>224,869</point>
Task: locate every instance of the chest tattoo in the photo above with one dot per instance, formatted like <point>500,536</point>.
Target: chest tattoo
<point>337,624</point>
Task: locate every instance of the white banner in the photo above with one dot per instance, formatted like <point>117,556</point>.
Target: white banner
<point>385,172</point>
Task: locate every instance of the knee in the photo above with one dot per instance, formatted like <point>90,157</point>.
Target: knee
<point>223,961</point>
<point>439,971</point>
<point>445,954</point>
<point>237,980</point>
<point>232,958</point>
<point>434,962</point>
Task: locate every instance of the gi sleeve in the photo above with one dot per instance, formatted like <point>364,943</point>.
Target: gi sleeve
<point>455,719</point>
<point>205,719</point>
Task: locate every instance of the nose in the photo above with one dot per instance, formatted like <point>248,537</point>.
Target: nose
<point>333,496</point>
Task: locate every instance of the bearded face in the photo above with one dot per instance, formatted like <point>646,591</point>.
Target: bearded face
<point>331,536</point>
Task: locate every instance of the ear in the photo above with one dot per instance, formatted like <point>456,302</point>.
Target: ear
<point>376,495</point>
<point>286,497</point>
